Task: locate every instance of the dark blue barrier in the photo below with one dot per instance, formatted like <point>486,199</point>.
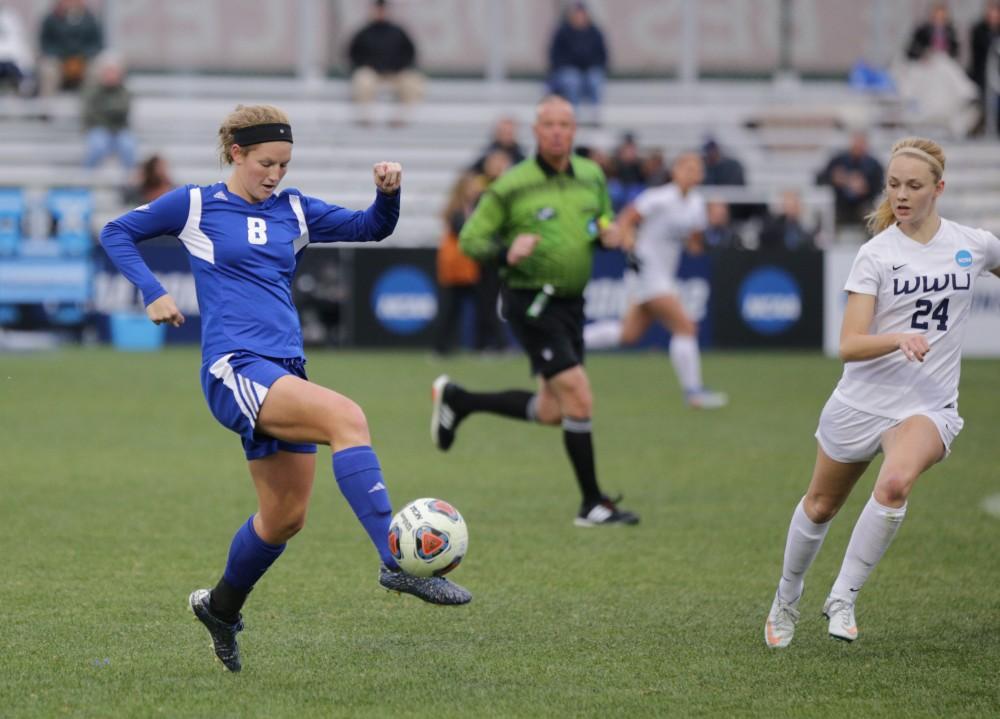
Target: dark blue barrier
<point>768,299</point>
<point>113,294</point>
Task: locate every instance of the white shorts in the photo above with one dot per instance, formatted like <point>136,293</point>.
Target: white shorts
<point>653,280</point>
<point>850,435</point>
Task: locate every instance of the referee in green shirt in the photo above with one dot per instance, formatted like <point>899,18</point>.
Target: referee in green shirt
<point>540,222</point>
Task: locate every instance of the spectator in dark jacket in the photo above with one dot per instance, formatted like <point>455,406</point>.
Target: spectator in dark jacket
<point>856,178</point>
<point>787,229</point>
<point>936,35</point>
<point>505,139</point>
<point>719,233</point>
<point>982,36</point>
<point>578,62</point>
<point>106,105</point>
<point>382,53</point>
<point>69,39</point>
<point>720,169</point>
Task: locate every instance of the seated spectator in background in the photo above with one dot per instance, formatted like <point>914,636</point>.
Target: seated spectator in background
<point>382,53</point>
<point>720,169</point>
<point>153,180</point>
<point>936,35</point>
<point>625,179</point>
<point>856,178</point>
<point>787,230</point>
<point>981,38</point>
<point>69,39</point>
<point>719,233</point>
<point>505,139</point>
<point>106,105</point>
<point>932,82</point>
<point>578,63</point>
<point>654,168</point>
<point>598,155</point>
<point>16,57</point>
<point>457,274</point>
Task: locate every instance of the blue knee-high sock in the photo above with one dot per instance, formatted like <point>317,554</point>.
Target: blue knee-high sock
<point>359,477</point>
<point>249,557</point>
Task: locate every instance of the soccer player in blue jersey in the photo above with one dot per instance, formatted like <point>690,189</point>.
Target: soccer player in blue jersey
<point>244,238</point>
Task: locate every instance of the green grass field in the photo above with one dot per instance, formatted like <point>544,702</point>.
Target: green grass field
<point>119,494</point>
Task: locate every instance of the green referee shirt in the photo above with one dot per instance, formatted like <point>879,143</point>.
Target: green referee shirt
<point>566,209</point>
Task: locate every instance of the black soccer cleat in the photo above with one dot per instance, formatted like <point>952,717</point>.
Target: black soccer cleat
<point>223,633</point>
<point>605,513</point>
<point>444,418</point>
<point>435,590</point>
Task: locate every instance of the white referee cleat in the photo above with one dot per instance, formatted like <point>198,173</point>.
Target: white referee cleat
<point>840,612</point>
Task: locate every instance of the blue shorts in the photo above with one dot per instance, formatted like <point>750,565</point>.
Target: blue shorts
<point>235,386</point>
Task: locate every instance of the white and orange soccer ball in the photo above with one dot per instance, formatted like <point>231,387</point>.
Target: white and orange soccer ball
<point>428,537</point>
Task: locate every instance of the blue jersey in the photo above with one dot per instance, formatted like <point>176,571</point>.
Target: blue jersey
<point>243,256</point>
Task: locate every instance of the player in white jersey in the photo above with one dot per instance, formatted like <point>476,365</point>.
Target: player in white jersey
<point>909,294</point>
<point>667,217</point>
<point>244,239</point>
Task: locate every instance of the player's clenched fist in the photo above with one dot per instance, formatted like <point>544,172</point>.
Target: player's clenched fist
<point>388,176</point>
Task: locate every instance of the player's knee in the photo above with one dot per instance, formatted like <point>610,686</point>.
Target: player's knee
<point>548,414</point>
<point>685,327</point>
<point>893,486</point>
<point>821,508</point>
<point>279,529</point>
<point>348,425</point>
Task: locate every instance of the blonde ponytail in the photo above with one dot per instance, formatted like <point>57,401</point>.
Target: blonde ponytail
<point>921,148</point>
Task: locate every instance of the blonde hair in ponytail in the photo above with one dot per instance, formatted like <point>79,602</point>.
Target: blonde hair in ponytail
<point>919,147</point>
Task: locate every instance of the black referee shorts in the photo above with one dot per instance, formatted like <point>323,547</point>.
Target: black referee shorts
<point>551,335</point>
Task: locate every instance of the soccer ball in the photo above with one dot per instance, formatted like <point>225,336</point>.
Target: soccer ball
<point>428,537</point>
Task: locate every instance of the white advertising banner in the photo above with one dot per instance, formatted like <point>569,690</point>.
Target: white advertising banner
<point>982,332</point>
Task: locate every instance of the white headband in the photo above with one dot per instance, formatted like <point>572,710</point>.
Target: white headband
<point>917,152</point>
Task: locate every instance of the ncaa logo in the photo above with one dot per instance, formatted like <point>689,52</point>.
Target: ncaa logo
<point>770,300</point>
<point>963,258</point>
<point>403,299</point>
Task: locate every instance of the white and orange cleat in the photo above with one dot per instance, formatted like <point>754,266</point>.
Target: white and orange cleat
<point>840,612</point>
<point>780,625</point>
<point>706,399</point>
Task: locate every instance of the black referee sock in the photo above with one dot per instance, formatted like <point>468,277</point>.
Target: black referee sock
<point>580,448</point>
<point>514,403</point>
<point>226,601</point>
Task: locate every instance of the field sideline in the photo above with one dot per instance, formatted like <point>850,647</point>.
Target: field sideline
<point>120,494</point>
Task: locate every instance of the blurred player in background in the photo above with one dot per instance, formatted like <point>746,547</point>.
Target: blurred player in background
<point>540,222</point>
<point>667,217</point>
<point>909,294</point>
<point>244,239</point>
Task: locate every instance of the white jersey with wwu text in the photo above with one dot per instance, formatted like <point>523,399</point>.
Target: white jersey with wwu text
<point>924,289</point>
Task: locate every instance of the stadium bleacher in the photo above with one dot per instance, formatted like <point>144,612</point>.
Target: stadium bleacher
<point>782,132</point>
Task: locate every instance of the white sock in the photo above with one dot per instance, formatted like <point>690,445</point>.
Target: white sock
<point>872,535</point>
<point>686,359</point>
<point>602,335</point>
<point>805,537</point>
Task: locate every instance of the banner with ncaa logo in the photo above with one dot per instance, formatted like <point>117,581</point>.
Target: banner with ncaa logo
<point>394,298</point>
<point>768,299</point>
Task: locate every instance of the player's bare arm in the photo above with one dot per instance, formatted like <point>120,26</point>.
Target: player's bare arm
<point>627,222</point>
<point>858,344</point>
